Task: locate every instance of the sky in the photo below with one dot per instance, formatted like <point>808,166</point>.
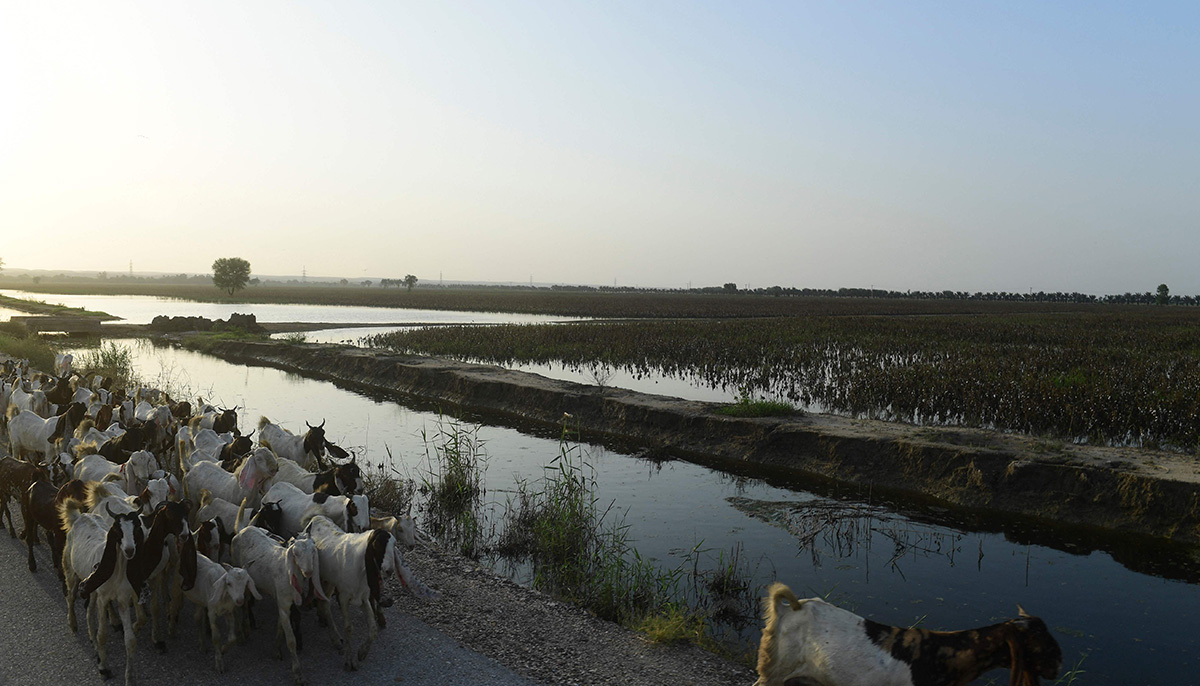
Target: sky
<point>905,145</point>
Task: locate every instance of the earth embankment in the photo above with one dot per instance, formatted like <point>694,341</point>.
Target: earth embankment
<point>1149,493</point>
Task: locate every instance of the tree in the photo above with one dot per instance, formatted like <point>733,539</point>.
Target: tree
<point>231,274</point>
<point>1164,294</point>
<point>730,287</point>
<point>410,281</point>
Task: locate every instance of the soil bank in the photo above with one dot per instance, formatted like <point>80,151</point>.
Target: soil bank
<point>1142,492</point>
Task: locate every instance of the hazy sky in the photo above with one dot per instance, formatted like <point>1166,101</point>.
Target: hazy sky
<point>904,145</point>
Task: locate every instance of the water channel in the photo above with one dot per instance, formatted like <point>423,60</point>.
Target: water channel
<point>1124,607</point>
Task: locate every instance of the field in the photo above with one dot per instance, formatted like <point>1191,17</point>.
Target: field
<point>1116,376</point>
<point>561,302</point>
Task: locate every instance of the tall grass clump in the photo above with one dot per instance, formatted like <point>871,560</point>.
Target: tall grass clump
<point>452,484</point>
<point>32,348</point>
<point>390,491</point>
<point>575,549</point>
<point>109,360</point>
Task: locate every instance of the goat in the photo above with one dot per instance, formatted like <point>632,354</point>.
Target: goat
<point>133,474</point>
<point>15,477</point>
<point>27,431</point>
<point>62,363</point>
<point>306,450</point>
<point>221,421</point>
<point>219,589</point>
<point>287,573</point>
<point>33,401</point>
<point>350,514</point>
<point>402,528</point>
<point>343,479</point>
<point>154,559</point>
<point>352,568</point>
<point>39,506</point>
<point>92,543</point>
<point>246,482</point>
<point>813,643</point>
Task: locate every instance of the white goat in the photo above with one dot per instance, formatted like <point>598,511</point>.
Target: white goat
<point>219,589</point>
<point>33,401</point>
<point>29,432</point>
<point>351,513</point>
<point>62,364</point>
<point>306,450</point>
<point>92,543</point>
<point>284,572</point>
<point>352,568</point>
<point>812,643</point>
<point>134,473</point>
<point>244,483</point>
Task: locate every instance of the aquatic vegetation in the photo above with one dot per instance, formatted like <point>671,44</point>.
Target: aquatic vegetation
<point>1126,376</point>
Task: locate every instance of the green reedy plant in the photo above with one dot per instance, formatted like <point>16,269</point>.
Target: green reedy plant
<point>389,490</point>
<point>109,360</point>
<point>453,484</point>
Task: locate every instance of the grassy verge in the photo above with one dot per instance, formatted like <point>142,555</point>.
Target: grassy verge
<point>41,307</point>
<point>37,351</point>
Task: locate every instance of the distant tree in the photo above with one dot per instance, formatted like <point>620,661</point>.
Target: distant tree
<point>254,281</point>
<point>367,283</point>
<point>231,274</point>
<point>410,281</point>
<point>730,287</point>
<point>345,282</point>
<point>1164,294</point>
<point>1,264</point>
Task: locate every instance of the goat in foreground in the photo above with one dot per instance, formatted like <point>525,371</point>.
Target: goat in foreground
<point>101,548</point>
<point>812,643</point>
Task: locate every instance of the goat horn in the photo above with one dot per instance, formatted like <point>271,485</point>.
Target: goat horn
<point>108,511</point>
<point>322,424</point>
<point>1021,611</point>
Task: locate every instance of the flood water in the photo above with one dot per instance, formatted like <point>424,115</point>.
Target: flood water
<point>141,309</point>
<point>1129,621</point>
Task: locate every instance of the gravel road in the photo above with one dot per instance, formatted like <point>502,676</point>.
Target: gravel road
<point>483,630</point>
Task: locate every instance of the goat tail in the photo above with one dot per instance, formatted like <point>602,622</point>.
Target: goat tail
<point>12,411</point>
<point>263,421</point>
<point>777,593</point>
<point>68,511</point>
<point>237,522</point>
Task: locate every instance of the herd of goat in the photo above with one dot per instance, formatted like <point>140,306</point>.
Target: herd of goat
<point>147,502</point>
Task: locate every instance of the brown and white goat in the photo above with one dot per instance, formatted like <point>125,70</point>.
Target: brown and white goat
<point>102,549</point>
<point>812,643</point>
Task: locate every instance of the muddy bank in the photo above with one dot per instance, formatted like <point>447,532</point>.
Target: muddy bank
<point>1139,492</point>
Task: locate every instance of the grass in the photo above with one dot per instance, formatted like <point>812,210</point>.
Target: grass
<point>749,407</point>
<point>390,491</point>
<point>110,360</point>
<point>294,338</point>
<point>453,485</point>
<point>32,306</point>
<point>37,351</point>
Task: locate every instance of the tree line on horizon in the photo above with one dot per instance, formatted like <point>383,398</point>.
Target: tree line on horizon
<point>1161,297</point>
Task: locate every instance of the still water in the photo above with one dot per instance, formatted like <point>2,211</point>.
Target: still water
<point>141,309</point>
<point>1130,623</point>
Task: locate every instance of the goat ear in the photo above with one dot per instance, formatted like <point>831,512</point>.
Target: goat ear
<point>1017,674</point>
